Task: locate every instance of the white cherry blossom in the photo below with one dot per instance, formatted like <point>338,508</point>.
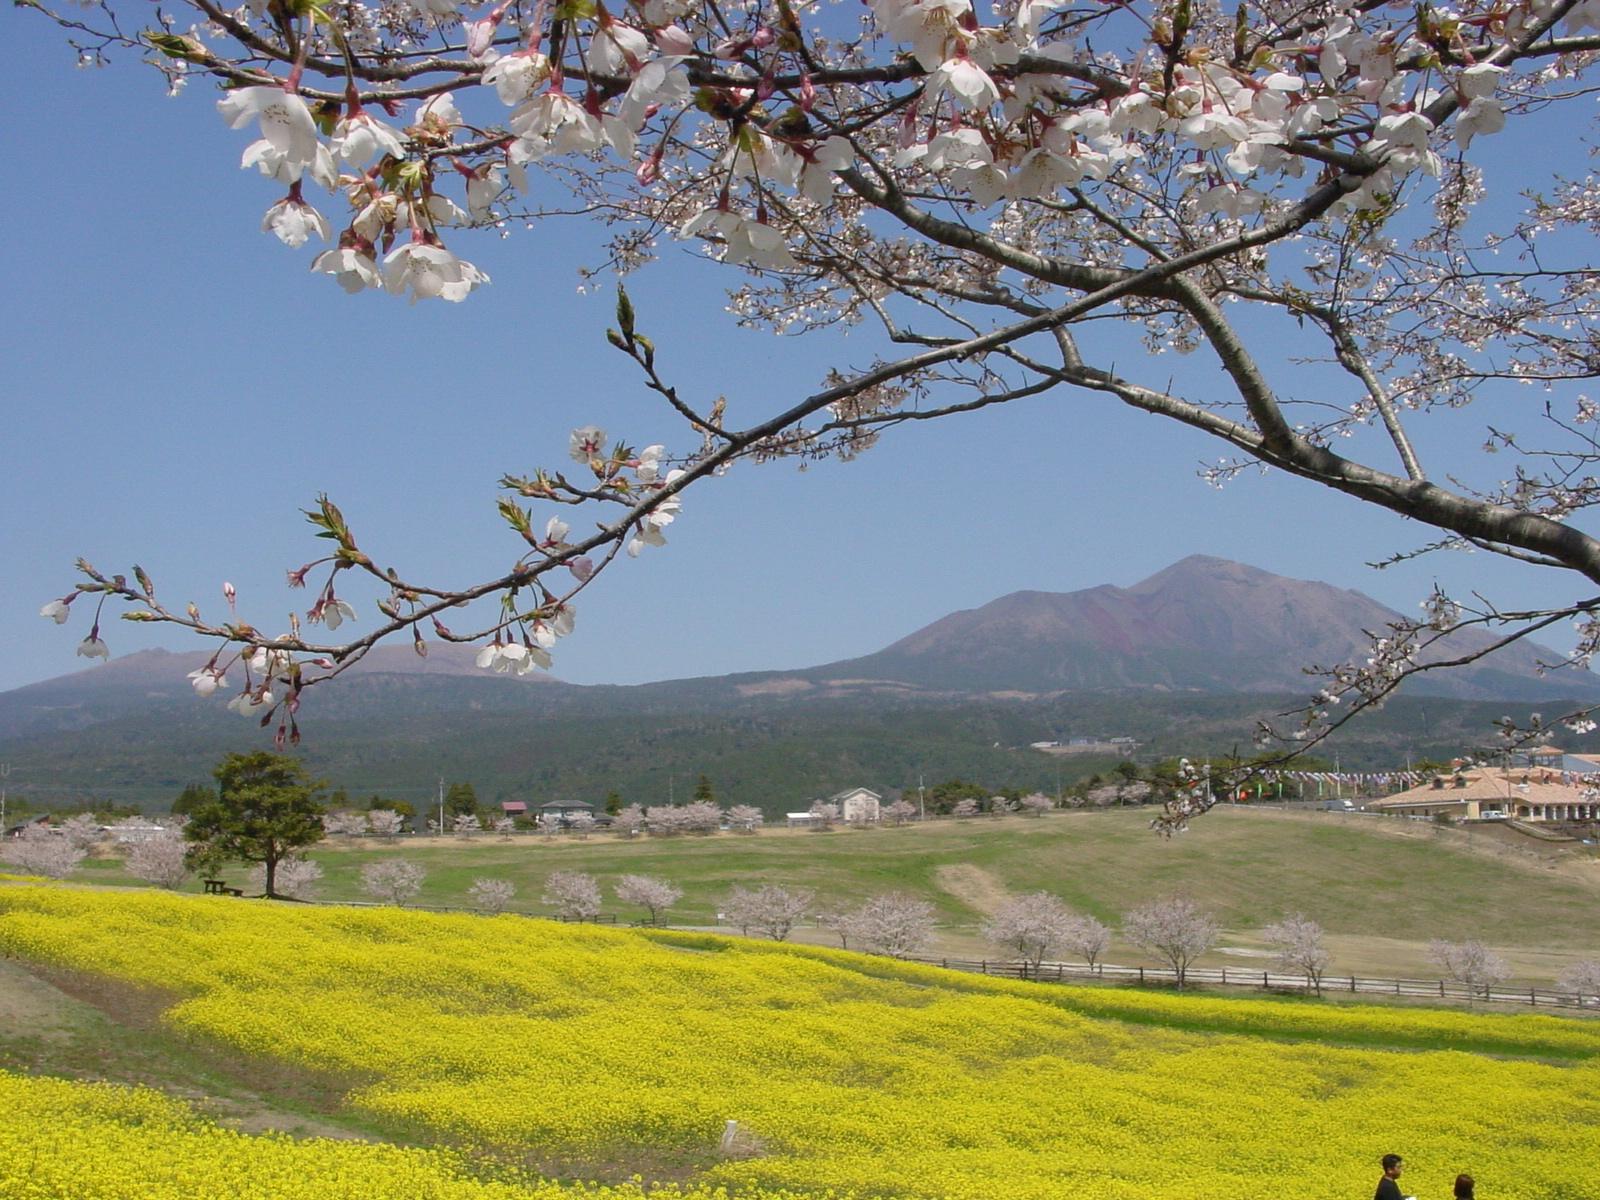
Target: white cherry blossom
<point>429,271</point>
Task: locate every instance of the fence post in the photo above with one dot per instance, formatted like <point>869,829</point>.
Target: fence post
<point>1224,976</point>
<point>985,965</point>
<point>1533,998</point>
<point>1441,989</point>
<point>1352,983</point>
<point>1263,981</point>
<point>1141,975</point>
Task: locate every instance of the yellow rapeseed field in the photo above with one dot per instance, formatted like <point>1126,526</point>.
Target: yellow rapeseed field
<point>851,1074</point>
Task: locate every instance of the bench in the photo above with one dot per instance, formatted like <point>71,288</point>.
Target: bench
<point>219,887</point>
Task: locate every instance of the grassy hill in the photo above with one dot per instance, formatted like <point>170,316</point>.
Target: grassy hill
<point>1382,887</point>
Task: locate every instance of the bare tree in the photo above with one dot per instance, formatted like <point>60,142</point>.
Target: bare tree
<point>745,818</point>
<point>1582,978</point>
<point>38,851</point>
<point>894,924</point>
<point>393,880</point>
<point>1175,929</point>
<point>771,909</point>
<point>899,812</point>
<point>573,894</point>
<point>385,822</point>
<point>162,859</point>
<point>1036,803</point>
<point>1087,938</point>
<point>491,895</point>
<point>295,878</point>
<point>581,825</point>
<point>653,895</point>
<point>1298,942</point>
<point>1469,962</point>
<point>1032,925</point>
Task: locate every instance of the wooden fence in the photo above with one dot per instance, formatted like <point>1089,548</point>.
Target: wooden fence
<point>1267,980</point>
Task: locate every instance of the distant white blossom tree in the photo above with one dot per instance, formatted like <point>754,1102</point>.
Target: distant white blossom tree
<point>392,880</point>
<point>1087,938</point>
<point>745,818</point>
<point>505,827</point>
<point>1036,803</point>
<point>894,924</point>
<point>771,910</point>
<point>966,807</point>
<point>1174,929</point>
<point>491,895</point>
<point>295,878</point>
<point>82,830</point>
<point>1033,925</point>
<point>700,816</point>
<point>385,822</point>
<point>344,823</point>
<point>161,859</point>
<point>824,814</point>
<point>1582,978</point>
<point>38,851</point>
<point>581,825</point>
<point>629,821</point>
<point>653,895</point>
<point>899,812</point>
<point>574,895</point>
<point>1469,962</point>
<point>464,825</point>
<point>1298,942</point>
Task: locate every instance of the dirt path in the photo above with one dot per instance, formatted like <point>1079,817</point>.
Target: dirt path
<point>973,886</point>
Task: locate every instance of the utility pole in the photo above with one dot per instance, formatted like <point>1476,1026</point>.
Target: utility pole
<point>922,808</point>
<point>5,772</point>
<point>441,806</point>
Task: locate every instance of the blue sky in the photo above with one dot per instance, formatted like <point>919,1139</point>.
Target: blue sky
<point>178,386</point>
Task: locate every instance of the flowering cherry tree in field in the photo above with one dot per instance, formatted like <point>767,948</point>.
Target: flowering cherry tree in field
<point>771,909</point>
<point>37,850</point>
<point>745,818</point>
<point>1582,978</point>
<point>393,880</point>
<point>295,877</point>
<point>1299,944</point>
<point>894,924</point>
<point>162,859</point>
<point>1175,929</point>
<point>1087,938</point>
<point>1032,925</point>
<point>1333,204</point>
<point>575,895</point>
<point>1469,962</point>
<point>653,895</point>
<point>385,822</point>
<point>491,895</point>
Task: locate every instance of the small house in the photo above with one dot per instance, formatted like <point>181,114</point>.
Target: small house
<point>858,806</point>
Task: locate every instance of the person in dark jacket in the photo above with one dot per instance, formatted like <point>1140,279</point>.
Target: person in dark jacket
<point>1389,1186</point>
<point>1464,1187</point>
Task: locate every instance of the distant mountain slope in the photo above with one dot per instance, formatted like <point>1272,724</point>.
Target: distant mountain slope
<point>1203,624</point>
<point>1184,661</point>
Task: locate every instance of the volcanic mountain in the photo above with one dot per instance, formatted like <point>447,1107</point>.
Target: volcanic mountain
<point>1203,624</point>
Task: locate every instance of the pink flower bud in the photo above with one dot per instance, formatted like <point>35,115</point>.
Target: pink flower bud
<point>674,40</point>
<point>808,92</point>
<point>763,38</point>
<point>227,591</point>
<point>480,35</point>
<point>581,568</point>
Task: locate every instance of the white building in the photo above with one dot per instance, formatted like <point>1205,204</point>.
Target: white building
<point>858,806</point>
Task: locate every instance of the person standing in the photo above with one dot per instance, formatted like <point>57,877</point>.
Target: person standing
<point>1389,1185</point>
<point>1464,1187</point>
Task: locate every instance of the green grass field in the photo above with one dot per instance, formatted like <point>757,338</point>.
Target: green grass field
<point>1380,888</point>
